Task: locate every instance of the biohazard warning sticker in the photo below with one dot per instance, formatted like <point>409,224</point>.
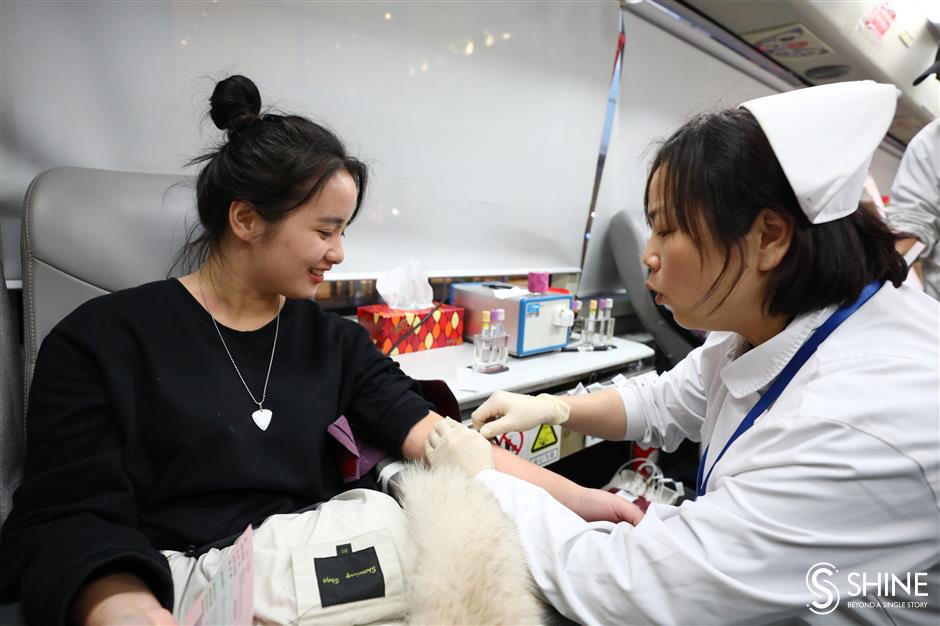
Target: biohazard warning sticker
<point>545,438</point>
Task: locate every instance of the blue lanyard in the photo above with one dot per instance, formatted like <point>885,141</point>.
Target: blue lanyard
<point>783,379</point>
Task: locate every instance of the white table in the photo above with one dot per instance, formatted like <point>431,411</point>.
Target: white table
<point>524,375</point>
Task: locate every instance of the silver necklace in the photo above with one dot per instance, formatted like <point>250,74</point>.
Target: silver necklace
<point>262,417</point>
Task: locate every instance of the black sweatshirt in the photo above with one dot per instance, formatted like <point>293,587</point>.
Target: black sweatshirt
<point>140,436</point>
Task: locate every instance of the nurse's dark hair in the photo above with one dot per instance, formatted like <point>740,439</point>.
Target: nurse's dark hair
<point>273,162</point>
<point>718,171</point>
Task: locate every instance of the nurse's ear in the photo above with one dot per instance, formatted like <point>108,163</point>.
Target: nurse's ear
<point>771,234</point>
<point>244,221</point>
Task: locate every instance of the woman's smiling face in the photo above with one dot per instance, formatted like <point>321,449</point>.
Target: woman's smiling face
<point>296,251</point>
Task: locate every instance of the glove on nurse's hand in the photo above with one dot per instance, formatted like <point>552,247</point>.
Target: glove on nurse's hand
<point>516,412</point>
<point>451,442</point>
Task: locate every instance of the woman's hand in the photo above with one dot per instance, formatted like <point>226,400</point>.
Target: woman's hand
<point>452,443</point>
<point>134,617</point>
<point>597,505</point>
<point>120,600</point>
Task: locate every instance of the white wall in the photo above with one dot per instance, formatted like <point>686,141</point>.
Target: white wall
<point>482,162</point>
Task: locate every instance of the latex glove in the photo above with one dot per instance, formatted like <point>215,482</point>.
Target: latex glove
<point>451,442</point>
<point>517,412</point>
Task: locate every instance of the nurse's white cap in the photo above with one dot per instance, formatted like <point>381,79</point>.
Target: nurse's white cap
<point>825,138</point>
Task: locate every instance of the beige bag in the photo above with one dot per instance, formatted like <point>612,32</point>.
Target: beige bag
<point>454,558</point>
<point>338,564</point>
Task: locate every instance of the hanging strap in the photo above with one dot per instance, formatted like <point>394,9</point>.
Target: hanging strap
<point>783,379</point>
<point>605,133</point>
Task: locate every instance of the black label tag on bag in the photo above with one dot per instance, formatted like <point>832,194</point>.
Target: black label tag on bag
<point>349,576</point>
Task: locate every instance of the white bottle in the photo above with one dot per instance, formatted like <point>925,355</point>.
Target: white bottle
<point>610,320</point>
<point>590,327</point>
<point>599,340</point>
<point>578,324</point>
<point>481,344</point>
<point>499,343</point>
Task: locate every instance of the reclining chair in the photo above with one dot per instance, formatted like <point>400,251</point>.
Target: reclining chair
<point>11,403</point>
<point>11,421</point>
<point>85,233</point>
<point>90,232</point>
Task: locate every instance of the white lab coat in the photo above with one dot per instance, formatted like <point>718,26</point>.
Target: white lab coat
<point>915,200</point>
<point>843,469</point>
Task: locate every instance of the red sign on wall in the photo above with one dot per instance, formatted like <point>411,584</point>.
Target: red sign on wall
<point>879,20</point>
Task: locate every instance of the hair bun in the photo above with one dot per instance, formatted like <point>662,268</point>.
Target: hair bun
<point>235,103</point>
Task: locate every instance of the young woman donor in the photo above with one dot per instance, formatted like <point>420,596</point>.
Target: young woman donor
<point>165,419</point>
<point>815,396</point>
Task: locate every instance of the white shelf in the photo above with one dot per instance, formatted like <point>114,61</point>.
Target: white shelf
<point>526,374</point>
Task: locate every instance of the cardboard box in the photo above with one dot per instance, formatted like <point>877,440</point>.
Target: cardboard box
<point>431,328</point>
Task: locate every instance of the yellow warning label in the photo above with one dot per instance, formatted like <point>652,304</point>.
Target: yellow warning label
<point>545,438</point>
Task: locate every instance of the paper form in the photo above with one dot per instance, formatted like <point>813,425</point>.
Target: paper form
<point>229,598</point>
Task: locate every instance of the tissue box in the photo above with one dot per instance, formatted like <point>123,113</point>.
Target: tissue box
<point>444,327</point>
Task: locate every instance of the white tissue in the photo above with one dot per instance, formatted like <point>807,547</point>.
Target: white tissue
<point>406,287</point>
<point>512,292</point>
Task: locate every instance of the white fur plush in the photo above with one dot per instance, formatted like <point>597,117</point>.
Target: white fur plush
<point>468,567</point>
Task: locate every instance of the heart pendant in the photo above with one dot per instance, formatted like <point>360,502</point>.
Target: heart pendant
<point>262,418</point>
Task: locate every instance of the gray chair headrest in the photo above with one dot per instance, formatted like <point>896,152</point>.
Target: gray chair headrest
<point>88,232</point>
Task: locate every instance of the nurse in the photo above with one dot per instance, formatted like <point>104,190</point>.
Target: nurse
<point>815,397</point>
